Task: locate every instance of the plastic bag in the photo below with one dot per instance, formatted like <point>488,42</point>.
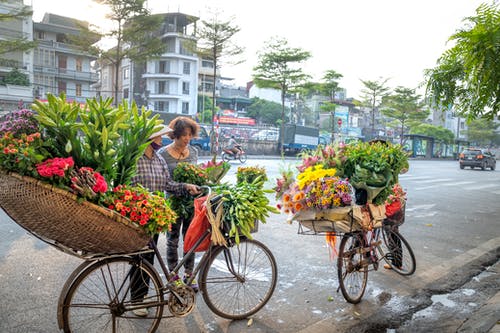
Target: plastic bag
<point>199,224</point>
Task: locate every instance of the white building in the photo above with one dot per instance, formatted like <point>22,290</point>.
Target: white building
<point>14,96</point>
<point>59,66</point>
<point>168,84</point>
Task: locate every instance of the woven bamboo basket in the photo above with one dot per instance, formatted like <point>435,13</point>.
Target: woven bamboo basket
<point>56,217</point>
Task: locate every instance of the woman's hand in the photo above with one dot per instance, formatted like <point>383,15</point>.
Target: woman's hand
<point>193,189</point>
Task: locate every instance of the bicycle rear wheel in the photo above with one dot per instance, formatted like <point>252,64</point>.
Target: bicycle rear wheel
<point>352,268</point>
<point>397,252</point>
<point>99,300</point>
<point>238,281</point>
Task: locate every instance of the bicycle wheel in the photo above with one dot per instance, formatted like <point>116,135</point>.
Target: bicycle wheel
<point>352,268</point>
<point>243,157</point>
<point>99,300</point>
<point>397,252</point>
<point>236,282</point>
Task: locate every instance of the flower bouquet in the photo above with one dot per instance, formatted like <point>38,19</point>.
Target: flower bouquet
<point>330,177</point>
<point>246,203</point>
<point>215,171</point>
<point>151,211</point>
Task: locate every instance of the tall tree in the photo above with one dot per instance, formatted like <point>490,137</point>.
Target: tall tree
<point>404,106</point>
<point>483,132</point>
<point>467,75</point>
<point>265,112</point>
<point>215,42</point>
<point>17,43</point>
<point>277,68</point>
<point>135,32</point>
<point>329,87</point>
<point>373,94</point>
<point>439,133</point>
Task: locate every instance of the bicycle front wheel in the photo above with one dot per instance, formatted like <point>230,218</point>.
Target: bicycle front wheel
<point>100,298</point>
<point>397,252</point>
<point>352,267</point>
<point>238,281</point>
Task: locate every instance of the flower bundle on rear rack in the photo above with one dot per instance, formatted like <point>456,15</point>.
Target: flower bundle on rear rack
<point>341,188</point>
<point>65,172</point>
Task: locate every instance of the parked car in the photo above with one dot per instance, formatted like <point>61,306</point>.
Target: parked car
<point>475,157</point>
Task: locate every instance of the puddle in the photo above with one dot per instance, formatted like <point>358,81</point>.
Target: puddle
<point>468,292</point>
<point>443,299</point>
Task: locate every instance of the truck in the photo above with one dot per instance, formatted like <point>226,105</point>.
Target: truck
<point>298,138</point>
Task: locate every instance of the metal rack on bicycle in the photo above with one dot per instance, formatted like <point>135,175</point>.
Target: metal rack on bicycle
<point>366,239</point>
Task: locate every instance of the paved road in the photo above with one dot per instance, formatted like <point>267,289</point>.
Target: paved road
<point>452,224</point>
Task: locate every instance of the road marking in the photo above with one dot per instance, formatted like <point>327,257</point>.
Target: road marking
<point>482,187</point>
<point>458,183</point>
<point>419,207</point>
<point>409,177</point>
<point>436,180</point>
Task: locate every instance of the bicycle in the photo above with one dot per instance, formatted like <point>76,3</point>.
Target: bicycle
<point>235,281</point>
<point>360,249</point>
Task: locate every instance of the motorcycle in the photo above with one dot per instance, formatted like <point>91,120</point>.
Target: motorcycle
<point>228,155</point>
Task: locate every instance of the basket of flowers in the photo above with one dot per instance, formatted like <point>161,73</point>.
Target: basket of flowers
<point>323,197</point>
<point>64,177</point>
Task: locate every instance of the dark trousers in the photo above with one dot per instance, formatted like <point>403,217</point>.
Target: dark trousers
<point>173,244</point>
<point>139,281</point>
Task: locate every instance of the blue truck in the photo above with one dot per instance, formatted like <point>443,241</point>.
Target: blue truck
<point>298,138</point>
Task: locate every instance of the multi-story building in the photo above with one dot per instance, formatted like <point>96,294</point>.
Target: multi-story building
<point>58,65</point>
<point>14,96</point>
<point>167,84</point>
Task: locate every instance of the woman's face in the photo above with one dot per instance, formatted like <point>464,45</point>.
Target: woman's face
<point>186,136</point>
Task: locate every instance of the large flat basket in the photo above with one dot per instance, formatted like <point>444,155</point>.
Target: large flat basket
<point>56,217</point>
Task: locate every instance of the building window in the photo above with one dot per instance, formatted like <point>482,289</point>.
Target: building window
<point>185,88</point>
<point>61,87</point>
<point>78,89</point>
<point>78,64</point>
<point>61,38</point>
<point>207,64</point>
<point>40,34</point>
<point>161,106</point>
<point>162,87</point>
<point>125,93</point>
<point>186,68</point>
<point>164,66</point>
<point>62,62</point>
<point>185,107</point>
<point>126,73</point>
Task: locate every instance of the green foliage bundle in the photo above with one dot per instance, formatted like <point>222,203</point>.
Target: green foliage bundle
<point>105,138</point>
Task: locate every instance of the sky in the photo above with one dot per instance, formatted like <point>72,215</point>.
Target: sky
<point>360,39</point>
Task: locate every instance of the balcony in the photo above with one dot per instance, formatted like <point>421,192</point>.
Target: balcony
<point>15,93</point>
<point>67,74</point>
<point>170,75</point>
<point>62,47</point>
